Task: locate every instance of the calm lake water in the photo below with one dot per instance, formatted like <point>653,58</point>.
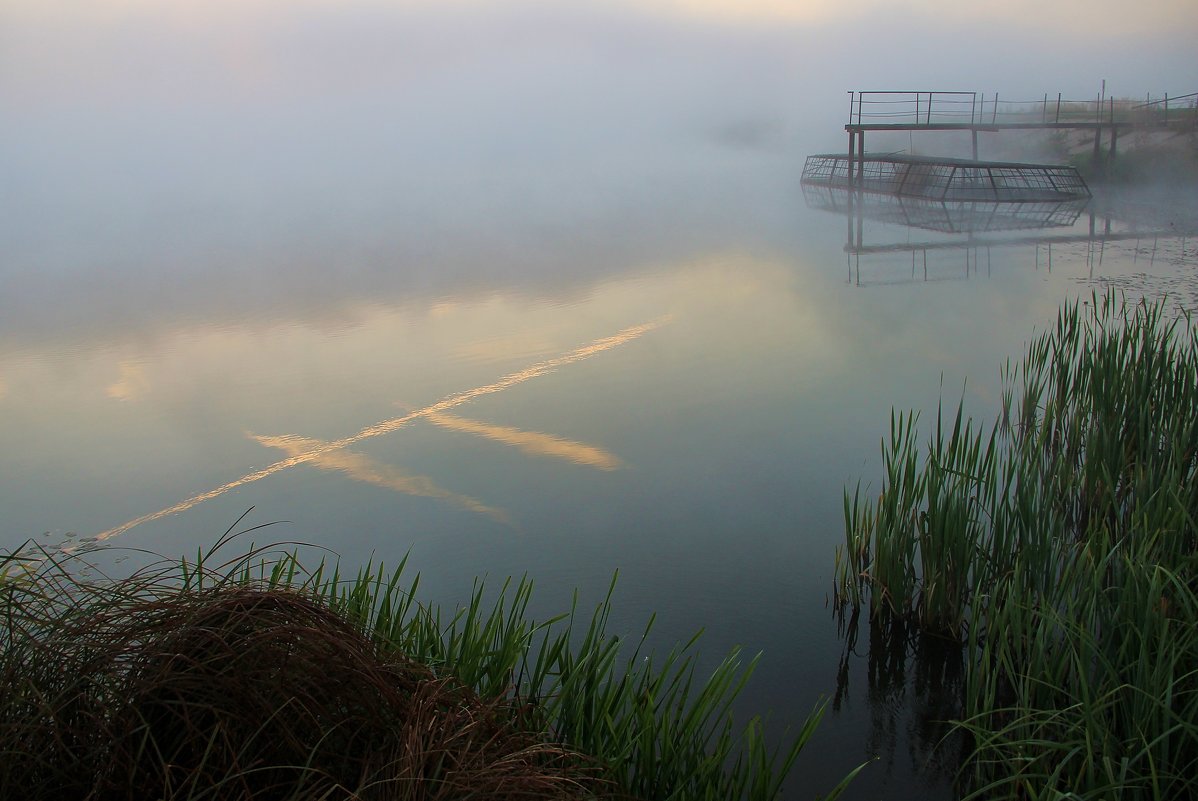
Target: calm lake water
<point>515,291</point>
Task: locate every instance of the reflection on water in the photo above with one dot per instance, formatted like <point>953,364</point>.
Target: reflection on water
<point>321,450</point>
<point>532,443</point>
<point>914,684</point>
<point>363,468</point>
<point>964,236</point>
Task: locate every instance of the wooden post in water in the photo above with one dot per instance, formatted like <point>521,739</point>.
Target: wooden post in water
<point>975,143</point>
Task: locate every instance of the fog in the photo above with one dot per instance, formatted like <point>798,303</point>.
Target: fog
<point>256,163</point>
<point>313,155</point>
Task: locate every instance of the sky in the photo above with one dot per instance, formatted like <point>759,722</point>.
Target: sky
<point>1006,37</point>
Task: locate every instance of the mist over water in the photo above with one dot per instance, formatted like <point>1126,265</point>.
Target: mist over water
<point>232,232</point>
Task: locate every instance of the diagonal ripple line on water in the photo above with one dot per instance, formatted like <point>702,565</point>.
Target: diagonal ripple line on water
<point>387,426</point>
<point>533,443</point>
<point>363,468</point>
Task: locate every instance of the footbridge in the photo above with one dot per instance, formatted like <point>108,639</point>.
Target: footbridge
<point>897,110</point>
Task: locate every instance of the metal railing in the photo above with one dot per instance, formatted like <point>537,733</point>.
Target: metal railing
<point>913,108</point>
<point>1184,109</point>
<point>918,108</point>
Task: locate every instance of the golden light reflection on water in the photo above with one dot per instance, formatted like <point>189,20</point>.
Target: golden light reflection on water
<point>132,382</point>
<point>387,426</point>
<point>362,468</point>
<point>533,443</point>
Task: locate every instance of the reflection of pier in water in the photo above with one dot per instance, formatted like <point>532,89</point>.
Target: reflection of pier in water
<point>963,234</point>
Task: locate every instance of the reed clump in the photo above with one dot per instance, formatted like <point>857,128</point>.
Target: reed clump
<point>257,678</point>
<point>1059,547</point>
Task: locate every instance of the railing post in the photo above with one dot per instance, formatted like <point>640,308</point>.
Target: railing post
<point>929,108</point>
<point>1058,107</point>
<point>1044,113</point>
<point>1166,109</point>
<point>994,115</point>
<point>917,106</point>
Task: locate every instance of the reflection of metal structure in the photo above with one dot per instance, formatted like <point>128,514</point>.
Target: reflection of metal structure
<point>955,217</point>
<point>962,234</point>
<point>946,179</point>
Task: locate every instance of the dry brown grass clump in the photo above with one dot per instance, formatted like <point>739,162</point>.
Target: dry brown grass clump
<point>249,693</point>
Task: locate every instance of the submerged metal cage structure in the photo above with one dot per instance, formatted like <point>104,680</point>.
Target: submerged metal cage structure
<point>946,179</point>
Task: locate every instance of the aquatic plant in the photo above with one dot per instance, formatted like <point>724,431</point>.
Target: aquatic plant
<point>1059,546</point>
<point>256,677</point>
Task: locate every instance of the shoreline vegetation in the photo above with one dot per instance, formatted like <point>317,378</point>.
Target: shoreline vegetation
<point>1163,156</point>
<point>258,678</point>
<point>1058,547</point>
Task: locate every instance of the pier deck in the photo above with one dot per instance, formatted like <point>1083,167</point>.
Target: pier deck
<point>896,110</point>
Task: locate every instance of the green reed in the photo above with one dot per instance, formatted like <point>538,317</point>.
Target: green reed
<point>591,715</point>
<point>1059,545</point>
